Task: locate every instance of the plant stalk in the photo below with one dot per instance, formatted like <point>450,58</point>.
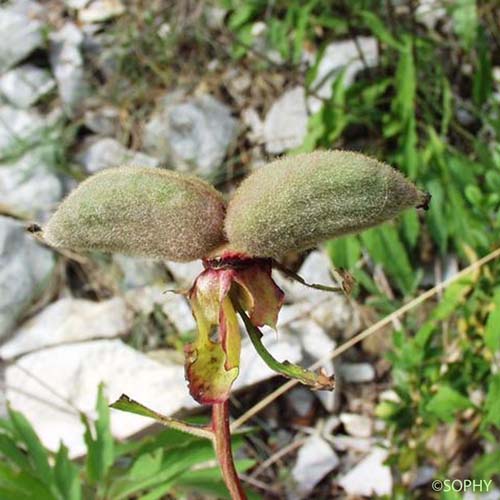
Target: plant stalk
<point>222,443</point>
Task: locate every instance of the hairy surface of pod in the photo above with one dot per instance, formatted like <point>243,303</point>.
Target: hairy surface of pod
<point>140,211</point>
<point>293,203</point>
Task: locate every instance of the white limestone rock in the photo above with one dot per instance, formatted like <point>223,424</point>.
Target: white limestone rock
<point>185,273</point>
<point>67,321</point>
<point>357,373</point>
<point>25,85</point>
<point>20,31</point>
<point>25,270</point>
<point>51,386</point>
<point>357,425</point>
<point>370,476</point>
<point>99,11</point>
<point>68,66</point>
<point>193,134</point>
<point>29,185</point>
<point>177,310</point>
<point>139,272</point>
<point>315,460</point>
<point>337,57</point>
<point>19,128</point>
<point>285,125</point>
<point>108,152</point>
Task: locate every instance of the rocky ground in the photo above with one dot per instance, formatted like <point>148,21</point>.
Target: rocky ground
<point>79,94</point>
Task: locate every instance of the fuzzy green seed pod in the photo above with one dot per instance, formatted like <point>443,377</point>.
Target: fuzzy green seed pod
<point>140,211</point>
<point>296,202</point>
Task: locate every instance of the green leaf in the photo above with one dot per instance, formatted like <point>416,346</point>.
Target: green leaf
<point>492,331</point>
<point>386,249</point>
<point>446,402</point>
<point>209,481</point>
<point>124,403</point>
<point>100,455</point>
<point>37,453</point>
<point>492,403</point>
<point>146,465</point>
<point>23,485</point>
<point>379,29</point>
<point>447,105</point>
<point>487,465</point>
<point>482,85</point>
<point>411,227</point>
<point>465,21</point>
<point>173,465</point>
<point>344,252</point>
<point>10,451</point>
<point>436,218</point>
<point>454,296</point>
<point>67,475</point>
<point>406,82</point>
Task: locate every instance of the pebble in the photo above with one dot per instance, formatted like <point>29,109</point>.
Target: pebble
<point>190,133</point>
<point>370,476</point>
<point>20,31</point>
<point>315,460</point>
<point>25,270</point>
<point>285,125</point>
<point>25,85</point>
<point>357,425</point>
<point>107,152</point>
<point>69,320</point>
<point>357,373</point>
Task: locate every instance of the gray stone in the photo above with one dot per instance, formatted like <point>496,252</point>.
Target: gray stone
<point>315,460</point>
<point>19,129</point>
<point>357,425</point>
<point>76,4</point>
<point>177,310</point>
<point>51,386</point>
<point>185,273</point>
<point>285,126</point>
<point>68,66</point>
<point>69,320</point>
<point>108,152</point>
<point>100,10</point>
<point>255,125</point>
<point>214,16</point>
<point>342,442</point>
<point>23,86</point>
<point>315,269</point>
<point>103,120</point>
<point>337,57</point>
<point>25,268</point>
<point>357,373</point>
<point>370,476</point>
<point>29,185</point>
<point>192,134</point>
<point>430,12</point>
<point>301,399</point>
<point>138,272</point>
<point>316,344</point>
<point>283,346</point>
<point>145,299</point>
<point>20,32</point>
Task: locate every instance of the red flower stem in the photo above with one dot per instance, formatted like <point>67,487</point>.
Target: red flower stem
<point>222,443</point>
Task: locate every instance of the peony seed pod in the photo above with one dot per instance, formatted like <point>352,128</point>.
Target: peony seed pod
<point>296,202</point>
<point>140,211</point>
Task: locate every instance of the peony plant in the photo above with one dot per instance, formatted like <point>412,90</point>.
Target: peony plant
<point>290,204</point>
